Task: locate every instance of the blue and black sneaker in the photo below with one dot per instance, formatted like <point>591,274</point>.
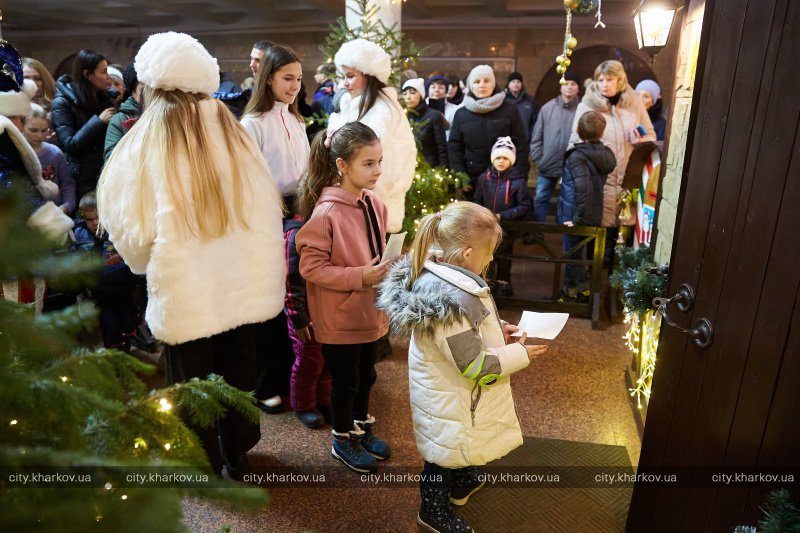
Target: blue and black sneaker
<point>376,447</point>
<point>347,448</point>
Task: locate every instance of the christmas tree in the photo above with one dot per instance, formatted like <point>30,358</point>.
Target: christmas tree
<point>433,188</point>
<point>77,421</point>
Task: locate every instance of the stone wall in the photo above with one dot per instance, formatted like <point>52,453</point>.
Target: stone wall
<point>679,127</point>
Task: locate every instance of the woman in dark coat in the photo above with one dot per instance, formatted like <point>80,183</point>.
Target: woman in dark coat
<point>428,124</point>
<point>80,115</point>
<point>484,118</point>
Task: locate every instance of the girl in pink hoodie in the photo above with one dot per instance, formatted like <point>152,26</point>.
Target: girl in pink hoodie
<point>340,248</point>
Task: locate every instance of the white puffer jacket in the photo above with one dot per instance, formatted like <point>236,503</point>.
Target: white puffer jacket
<point>456,339</point>
<point>196,288</point>
<point>399,149</point>
<point>620,120</point>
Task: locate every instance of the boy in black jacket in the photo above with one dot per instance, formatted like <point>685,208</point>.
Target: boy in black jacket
<point>580,203</point>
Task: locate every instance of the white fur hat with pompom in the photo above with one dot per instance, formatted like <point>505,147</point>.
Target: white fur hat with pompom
<point>365,56</point>
<point>174,60</point>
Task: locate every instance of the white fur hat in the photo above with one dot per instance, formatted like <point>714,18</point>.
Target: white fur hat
<point>504,147</point>
<point>365,56</point>
<point>176,61</point>
<point>478,72</point>
<point>418,84</point>
<point>17,103</point>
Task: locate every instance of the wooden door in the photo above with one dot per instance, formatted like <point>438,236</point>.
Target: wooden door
<point>734,404</point>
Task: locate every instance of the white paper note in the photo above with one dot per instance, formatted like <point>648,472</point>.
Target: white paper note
<point>541,325</point>
<point>394,247</point>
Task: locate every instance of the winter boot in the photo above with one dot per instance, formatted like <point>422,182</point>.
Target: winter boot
<point>311,419</point>
<point>435,513</point>
<point>347,448</point>
<point>378,448</point>
<point>466,482</point>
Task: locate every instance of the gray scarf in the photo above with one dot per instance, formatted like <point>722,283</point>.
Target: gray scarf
<point>484,105</point>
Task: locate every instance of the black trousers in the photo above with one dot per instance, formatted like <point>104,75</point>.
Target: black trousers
<point>275,358</point>
<point>352,368</point>
<point>440,477</point>
<point>232,355</point>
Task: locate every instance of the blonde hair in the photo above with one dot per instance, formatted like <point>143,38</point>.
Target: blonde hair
<point>48,83</point>
<point>613,69</point>
<point>172,125</point>
<point>37,111</point>
<point>460,226</point>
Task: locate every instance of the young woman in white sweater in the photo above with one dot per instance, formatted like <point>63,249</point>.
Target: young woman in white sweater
<point>273,121</point>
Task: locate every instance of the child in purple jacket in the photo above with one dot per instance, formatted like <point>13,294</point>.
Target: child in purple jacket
<point>310,385</point>
<point>53,161</point>
<point>503,189</point>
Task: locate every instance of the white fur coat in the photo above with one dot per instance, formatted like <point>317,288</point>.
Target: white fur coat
<point>196,288</point>
<point>399,149</point>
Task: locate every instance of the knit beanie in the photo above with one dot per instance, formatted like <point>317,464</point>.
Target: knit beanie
<point>366,57</point>
<point>504,147</point>
<point>479,72</point>
<point>174,60</point>
<point>15,91</point>
<point>439,78</point>
<point>130,79</point>
<point>514,76</point>
<point>649,86</point>
<point>115,73</point>
<point>571,76</point>
<point>418,84</point>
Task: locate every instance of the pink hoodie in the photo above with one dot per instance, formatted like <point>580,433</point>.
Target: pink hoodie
<point>334,245</point>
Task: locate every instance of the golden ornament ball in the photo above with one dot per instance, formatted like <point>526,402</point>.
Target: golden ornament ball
<point>572,42</point>
<point>569,52</point>
<point>562,81</point>
<point>561,69</point>
<point>560,60</point>
<point>567,62</point>
<point>572,4</point>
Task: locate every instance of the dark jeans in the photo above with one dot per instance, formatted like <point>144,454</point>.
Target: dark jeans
<point>352,368</point>
<point>576,275</point>
<point>544,191</point>
<point>231,354</point>
<point>436,476</point>
<point>275,358</point>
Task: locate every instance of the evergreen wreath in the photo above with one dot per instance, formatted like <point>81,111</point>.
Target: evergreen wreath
<point>632,279</point>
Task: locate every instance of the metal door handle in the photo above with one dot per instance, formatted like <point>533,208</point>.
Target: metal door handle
<point>703,331</point>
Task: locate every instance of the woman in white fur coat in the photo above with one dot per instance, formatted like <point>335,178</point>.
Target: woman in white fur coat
<point>366,67</point>
<point>624,112</point>
<point>188,200</point>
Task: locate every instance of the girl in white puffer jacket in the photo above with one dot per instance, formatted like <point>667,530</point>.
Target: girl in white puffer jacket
<point>459,359</point>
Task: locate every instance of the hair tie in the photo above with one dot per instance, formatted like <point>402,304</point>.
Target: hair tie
<point>438,215</point>
<point>328,137</point>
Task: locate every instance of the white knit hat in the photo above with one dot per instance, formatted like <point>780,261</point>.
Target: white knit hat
<point>504,147</point>
<point>114,72</point>
<point>176,61</point>
<point>365,56</point>
<point>478,72</point>
<point>418,84</point>
<point>649,86</point>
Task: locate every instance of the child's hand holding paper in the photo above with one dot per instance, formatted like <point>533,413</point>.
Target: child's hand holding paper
<point>541,325</point>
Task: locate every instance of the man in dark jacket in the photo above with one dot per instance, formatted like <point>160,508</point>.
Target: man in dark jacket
<point>128,114</point>
<point>549,142</point>
<point>503,189</point>
<point>428,124</point>
<point>581,200</point>
<point>323,96</point>
<point>525,103</point>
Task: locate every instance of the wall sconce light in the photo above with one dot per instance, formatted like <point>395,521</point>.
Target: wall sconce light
<point>653,21</point>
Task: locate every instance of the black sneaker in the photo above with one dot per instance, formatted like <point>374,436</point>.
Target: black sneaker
<point>311,419</point>
<point>436,515</point>
<point>466,482</point>
<point>348,449</point>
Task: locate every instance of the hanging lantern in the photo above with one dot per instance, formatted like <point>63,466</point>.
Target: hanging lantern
<point>653,22</point>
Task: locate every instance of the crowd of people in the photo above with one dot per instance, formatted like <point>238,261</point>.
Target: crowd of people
<point>254,246</point>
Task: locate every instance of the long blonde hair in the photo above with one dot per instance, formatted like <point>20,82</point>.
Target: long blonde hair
<point>459,226</point>
<point>48,83</point>
<point>172,126</point>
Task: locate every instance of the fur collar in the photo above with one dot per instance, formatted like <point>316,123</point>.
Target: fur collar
<point>441,296</point>
<point>598,102</point>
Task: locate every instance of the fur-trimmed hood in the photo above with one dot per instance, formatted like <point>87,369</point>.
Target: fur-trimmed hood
<point>442,295</point>
<point>596,101</point>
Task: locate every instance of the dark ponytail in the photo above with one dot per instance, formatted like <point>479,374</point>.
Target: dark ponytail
<point>322,171</point>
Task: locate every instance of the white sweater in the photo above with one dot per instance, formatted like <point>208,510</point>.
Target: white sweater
<point>282,139</point>
<point>391,125</point>
<point>196,288</point>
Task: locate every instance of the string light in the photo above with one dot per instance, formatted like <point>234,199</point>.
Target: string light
<point>123,497</point>
<point>13,422</point>
<point>642,339</point>
<point>64,379</point>
<point>165,406</point>
<point>167,446</point>
<point>108,485</point>
<point>139,442</point>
